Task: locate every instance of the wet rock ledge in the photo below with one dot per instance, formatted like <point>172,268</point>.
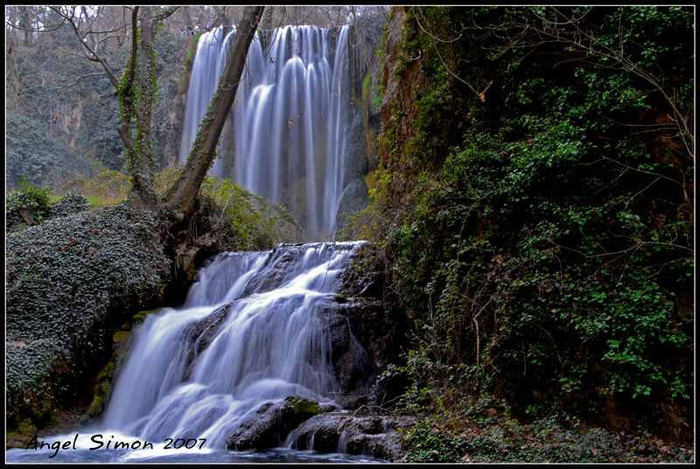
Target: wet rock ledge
<point>307,425</point>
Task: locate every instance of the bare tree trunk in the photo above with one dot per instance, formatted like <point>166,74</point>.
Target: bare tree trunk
<point>137,94</point>
<point>142,159</point>
<point>183,194</point>
<point>26,23</point>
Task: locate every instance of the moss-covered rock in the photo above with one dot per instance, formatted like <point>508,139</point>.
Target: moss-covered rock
<point>105,378</point>
<point>302,406</point>
<point>241,220</point>
<point>71,282</point>
<point>271,423</point>
<point>102,388</point>
<point>141,316</point>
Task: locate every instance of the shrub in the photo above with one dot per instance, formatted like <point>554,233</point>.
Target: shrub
<point>108,187</point>
<point>28,205</point>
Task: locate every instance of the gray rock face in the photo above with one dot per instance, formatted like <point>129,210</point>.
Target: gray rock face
<point>200,335</point>
<point>271,423</point>
<point>353,199</point>
<point>71,282</point>
<point>355,163</point>
<point>374,436</point>
<point>353,367</point>
<point>375,325</point>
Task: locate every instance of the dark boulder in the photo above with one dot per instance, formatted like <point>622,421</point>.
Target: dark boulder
<point>200,334</point>
<point>353,367</point>
<point>371,435</point>
<point>268,426</point>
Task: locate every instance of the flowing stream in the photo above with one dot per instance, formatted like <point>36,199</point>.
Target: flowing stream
<point>286,136</point>
<point>249,333</point>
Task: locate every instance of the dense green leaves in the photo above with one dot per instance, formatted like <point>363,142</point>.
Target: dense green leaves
<point>28,205</point>
<point>544,236</point>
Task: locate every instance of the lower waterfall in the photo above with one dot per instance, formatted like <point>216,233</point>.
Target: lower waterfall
<point>250,334</point>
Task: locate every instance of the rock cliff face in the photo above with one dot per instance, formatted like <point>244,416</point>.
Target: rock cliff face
<point>361,157</point>
<point>366,326</point>
<point>403,80</point>
<point>71,283</point>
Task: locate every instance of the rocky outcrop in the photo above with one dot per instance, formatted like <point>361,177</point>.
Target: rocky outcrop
<point>353,199</point>
<point>268,425</point>
<point>374,436</point>
<point>353,366</point>
<point>373,325</point>
<point>71,283</point>
<point>200,335</point>
<point>361,152</point>
<point>278,270</point>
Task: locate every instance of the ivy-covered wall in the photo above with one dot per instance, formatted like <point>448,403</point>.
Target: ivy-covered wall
<point>534,198</point>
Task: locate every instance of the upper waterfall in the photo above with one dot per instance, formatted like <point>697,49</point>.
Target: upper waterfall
<point>286,136</point>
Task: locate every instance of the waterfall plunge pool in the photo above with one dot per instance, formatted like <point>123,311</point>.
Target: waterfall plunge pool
<point>92,447</point>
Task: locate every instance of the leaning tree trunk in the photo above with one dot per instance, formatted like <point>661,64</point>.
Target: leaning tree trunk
<point>183,194</point>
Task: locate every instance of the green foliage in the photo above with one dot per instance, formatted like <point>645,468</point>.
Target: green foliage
<point>541,244</point>
<point>32,152</point>
<point>371,92</point>
<point>427,446</point>
<point>108,187</point>
<point>494,438</point>
<point>28,205</point>
<point>192,51</point>
<point>255,223</point>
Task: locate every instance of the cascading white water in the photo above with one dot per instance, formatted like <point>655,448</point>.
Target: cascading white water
<point>288,123</point>
<point>250,332</point>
